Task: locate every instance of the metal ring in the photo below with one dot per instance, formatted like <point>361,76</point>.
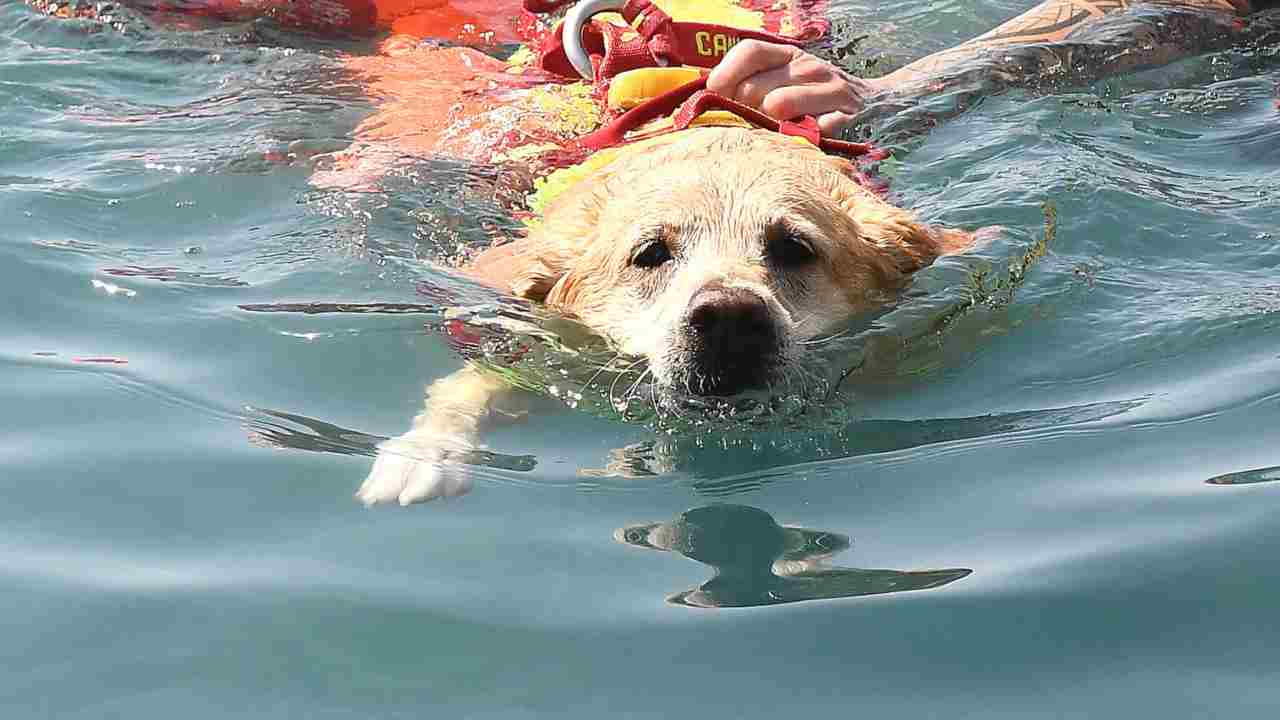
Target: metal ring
<point>571,32</point>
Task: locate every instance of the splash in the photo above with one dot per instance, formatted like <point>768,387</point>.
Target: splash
<point>540,352</point>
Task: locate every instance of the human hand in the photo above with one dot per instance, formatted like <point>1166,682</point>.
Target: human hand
<point>786,82</point>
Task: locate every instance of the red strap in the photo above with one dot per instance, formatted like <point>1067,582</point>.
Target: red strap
<point>544,7</point>
<point>551,57</point>
<point>662,41</point>
<point>691,43</point>
<point>658,40</point>
<point>693,99</point>
<point>615,133</point>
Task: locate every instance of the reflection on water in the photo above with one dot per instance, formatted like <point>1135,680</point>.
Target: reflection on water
<point>759,562</point>
<point>724,464</point>
<point>731,463</point>
<point>1247,477</point>
<point>290,431</point>
<point>276,429</point>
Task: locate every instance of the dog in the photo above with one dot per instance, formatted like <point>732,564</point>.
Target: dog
<point>714,256</point>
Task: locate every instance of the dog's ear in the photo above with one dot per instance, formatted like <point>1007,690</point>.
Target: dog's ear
<point>898,243</point>
<point>909,244</point>
<point>535,278</point>
<point>951,241</point>
<point>528,268</point>
<point>551,265</point>
<point>532,266</point>
<point>913,245</point>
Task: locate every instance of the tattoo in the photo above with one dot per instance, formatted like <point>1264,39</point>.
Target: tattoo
<point>1043,23</point>
<point>1145,34</point>
<point>1051,22</point>
<point>1038,32</point>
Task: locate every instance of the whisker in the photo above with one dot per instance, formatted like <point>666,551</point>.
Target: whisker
<point>621,374</point>
<point>804,385</point>
<point>792,376</point>
<point>811,316</point>
<point>824,340</point>
<point>636,384</point>
<point>603,367</point>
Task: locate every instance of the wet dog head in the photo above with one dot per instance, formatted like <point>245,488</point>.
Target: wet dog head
<point>717,254</point>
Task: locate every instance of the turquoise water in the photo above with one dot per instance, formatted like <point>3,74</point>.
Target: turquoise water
<point>1063,506</point>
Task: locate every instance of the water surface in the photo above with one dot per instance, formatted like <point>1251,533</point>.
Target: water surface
<point>1088,460</point>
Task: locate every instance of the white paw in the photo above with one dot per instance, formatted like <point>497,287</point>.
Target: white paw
<point>411,470</point>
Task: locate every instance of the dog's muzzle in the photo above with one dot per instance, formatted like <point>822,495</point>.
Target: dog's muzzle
<point>732,338</point>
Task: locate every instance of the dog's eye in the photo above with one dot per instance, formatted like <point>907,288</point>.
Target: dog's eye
<point>789,249</point>
<point>651,255</point>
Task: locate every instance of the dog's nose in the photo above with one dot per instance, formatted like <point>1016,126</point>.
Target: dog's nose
<point>733,337</point>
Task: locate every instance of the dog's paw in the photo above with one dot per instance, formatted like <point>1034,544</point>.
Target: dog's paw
<point>412,470</point>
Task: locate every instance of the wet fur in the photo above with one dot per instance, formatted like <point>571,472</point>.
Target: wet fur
<point>718,197</point>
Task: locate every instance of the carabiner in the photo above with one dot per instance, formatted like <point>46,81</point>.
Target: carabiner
<point>571,32</point>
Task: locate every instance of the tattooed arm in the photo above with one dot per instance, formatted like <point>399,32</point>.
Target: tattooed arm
<point>1064,41</point>
<point>1156,32</point>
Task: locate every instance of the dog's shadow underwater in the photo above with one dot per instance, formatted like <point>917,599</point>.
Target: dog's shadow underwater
<point>759,562</point>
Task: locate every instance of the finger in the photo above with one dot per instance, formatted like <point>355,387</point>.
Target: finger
<point>745,59</point>
<point>753,90</point>
<point>832,124</point>
<point>789,102</point>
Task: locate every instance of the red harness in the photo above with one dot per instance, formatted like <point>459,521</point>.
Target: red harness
<point>693,99</point>
<point>656,40</point>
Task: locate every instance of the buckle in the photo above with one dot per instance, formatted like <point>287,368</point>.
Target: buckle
<point>571,32</point>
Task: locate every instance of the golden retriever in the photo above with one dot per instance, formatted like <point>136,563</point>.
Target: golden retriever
<point>713,254</point>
